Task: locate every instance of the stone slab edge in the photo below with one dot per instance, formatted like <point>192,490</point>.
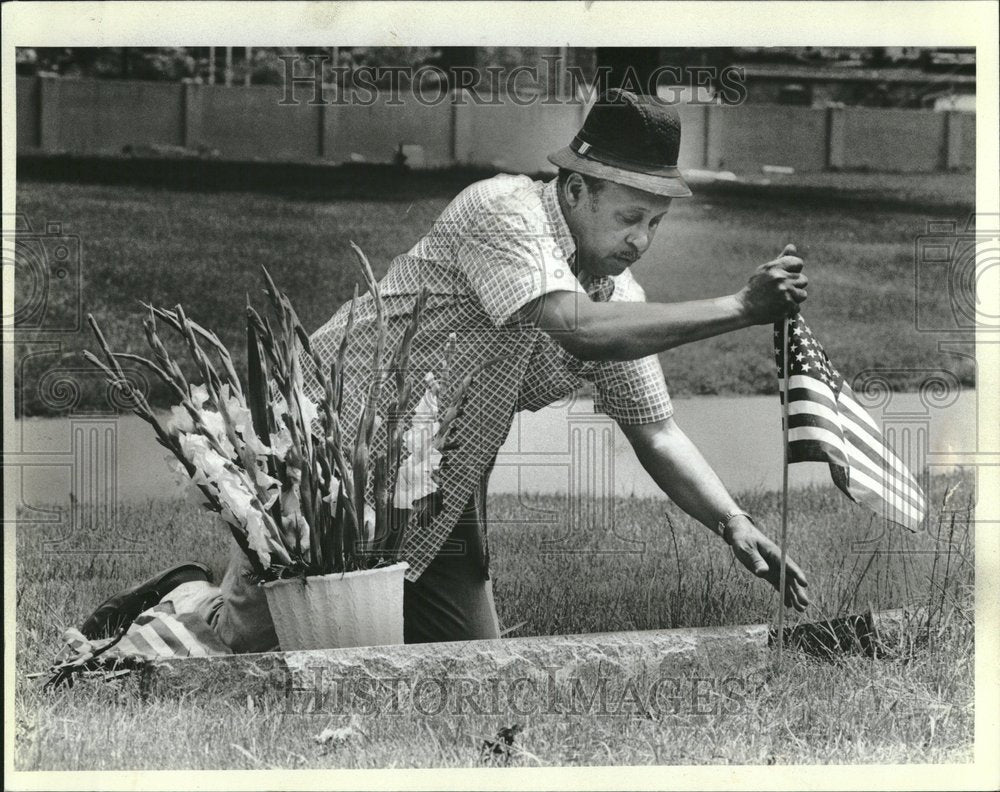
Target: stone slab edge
<point>644,655</point>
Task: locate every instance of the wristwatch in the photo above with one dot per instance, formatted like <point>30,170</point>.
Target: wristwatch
<point>724,523</point>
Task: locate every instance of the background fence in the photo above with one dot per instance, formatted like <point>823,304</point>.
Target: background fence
<point>248,123</point>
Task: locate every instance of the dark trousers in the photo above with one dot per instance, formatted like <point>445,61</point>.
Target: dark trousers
<point>453,599</point>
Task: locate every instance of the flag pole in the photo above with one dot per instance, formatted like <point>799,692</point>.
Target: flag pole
<point>784,488</point>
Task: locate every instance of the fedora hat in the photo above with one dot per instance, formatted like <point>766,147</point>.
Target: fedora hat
<point>629,140</point>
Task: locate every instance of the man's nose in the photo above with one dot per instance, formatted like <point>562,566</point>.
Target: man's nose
<point>639,240</point>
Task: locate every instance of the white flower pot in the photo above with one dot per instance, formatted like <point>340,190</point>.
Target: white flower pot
<point>340,610</point>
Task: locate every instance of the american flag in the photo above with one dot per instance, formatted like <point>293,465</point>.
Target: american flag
<point>826,424</point>
<point>156,634</point>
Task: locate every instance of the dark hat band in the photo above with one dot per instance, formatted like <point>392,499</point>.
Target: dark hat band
<point>589,151</point>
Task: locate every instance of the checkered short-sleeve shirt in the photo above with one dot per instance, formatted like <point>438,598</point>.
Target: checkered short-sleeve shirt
<point>500,244</point>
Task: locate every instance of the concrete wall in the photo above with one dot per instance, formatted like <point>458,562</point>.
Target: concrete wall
<point>513,138</point>
<point>375,132</point>
<point>887,139</point>
<point>102,116</point>
<point>27,98</point>
<point>967,146</point>
<point>693,120</point>
<point>249,123</point>
<point>746,137</point>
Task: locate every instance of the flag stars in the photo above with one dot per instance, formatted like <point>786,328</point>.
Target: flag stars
<point>812,363</point>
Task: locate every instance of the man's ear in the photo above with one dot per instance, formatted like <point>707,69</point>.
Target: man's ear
<point>574,189</point>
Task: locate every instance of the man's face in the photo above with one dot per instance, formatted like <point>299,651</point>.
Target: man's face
<point>614,227</point>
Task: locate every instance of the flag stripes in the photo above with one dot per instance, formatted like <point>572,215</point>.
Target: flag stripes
<point>864,456</point>
<point>826,424</point>
<point>157,633</point>
<point>819,434</point>
<point>872,493</point>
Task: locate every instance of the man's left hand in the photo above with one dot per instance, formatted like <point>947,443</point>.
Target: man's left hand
<point>763,557</point>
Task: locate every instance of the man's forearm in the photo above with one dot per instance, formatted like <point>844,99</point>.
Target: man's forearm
<point>631,330</point>
<point>626,331</point>
<point>679,469</point>
<point>683,474</point>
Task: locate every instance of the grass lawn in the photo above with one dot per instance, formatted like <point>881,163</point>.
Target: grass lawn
<point>204,250</point>
<point>915,708</point>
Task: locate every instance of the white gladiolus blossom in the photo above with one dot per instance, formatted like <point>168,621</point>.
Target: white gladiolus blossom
<point>416,476</point>
<point>281,443</point>
<point>242,420</point>
<point>419,438</point>
<point>254,444</point>
<point>207,460</point>
<point>235,496</point>
<point>278,408</point>
<point>199,395</point>
<point>234,492</point>
<point>239,414</point>
<point>217,428</point>
<point>179,421</point>
<point>369,523</point>
<point>270,485</point>
<point>258,538</point>
<point>331,498</point>
<point>416,479</point>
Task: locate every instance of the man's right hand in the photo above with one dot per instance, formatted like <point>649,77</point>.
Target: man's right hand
<point>775,290</point>
<point>762,556</point>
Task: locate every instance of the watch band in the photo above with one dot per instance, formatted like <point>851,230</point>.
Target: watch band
<point>724,523</point>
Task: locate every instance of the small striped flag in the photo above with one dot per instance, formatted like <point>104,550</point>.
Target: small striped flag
<point>826,424</point>
<point>157,633</point>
